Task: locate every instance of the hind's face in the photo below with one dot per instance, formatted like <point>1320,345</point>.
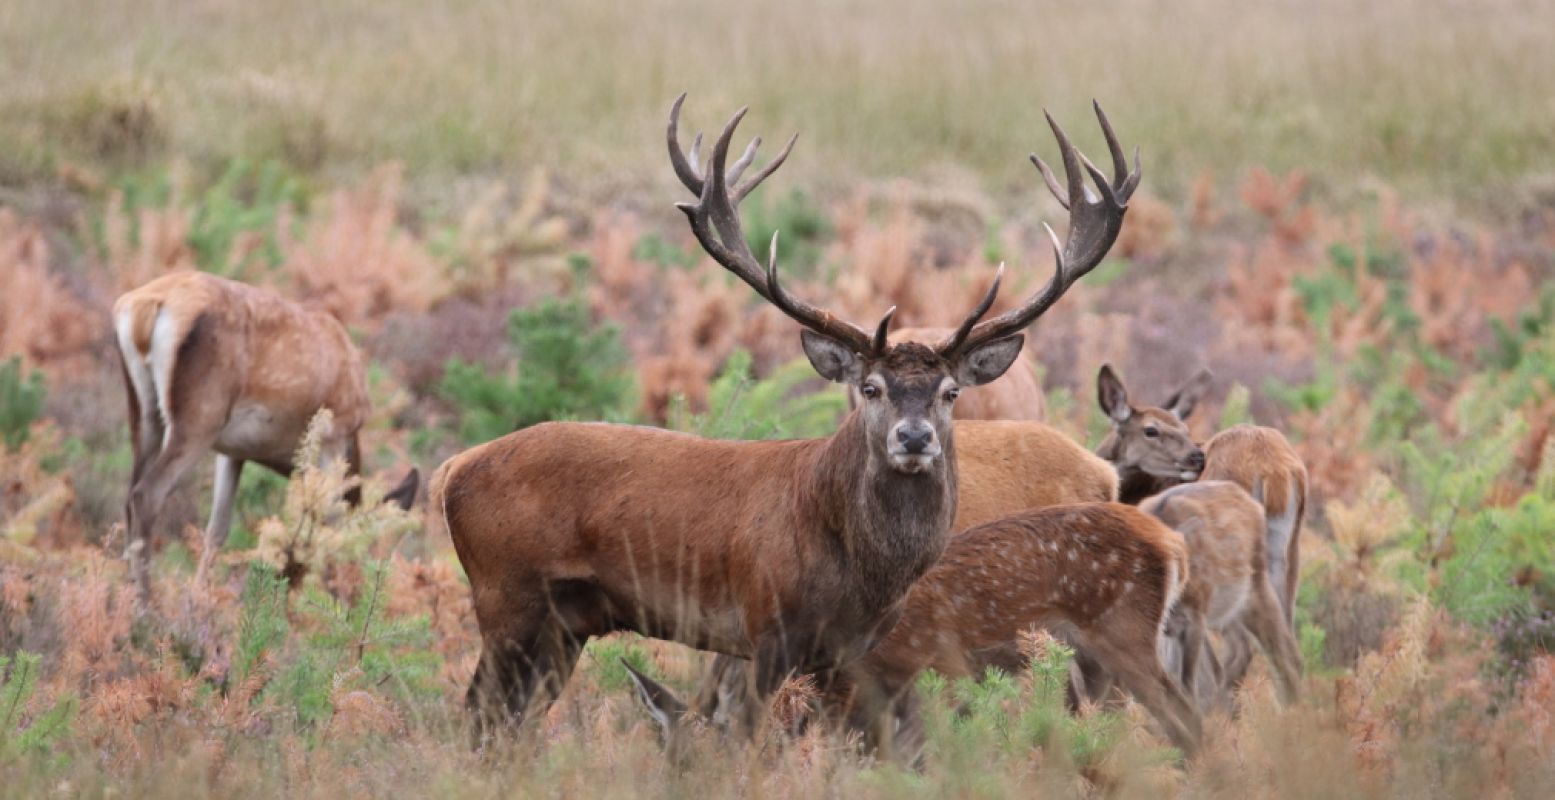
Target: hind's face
<point>1157,443</point>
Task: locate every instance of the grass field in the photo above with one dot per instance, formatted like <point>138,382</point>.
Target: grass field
<point>1450,99</point>
<point>1348,214</point>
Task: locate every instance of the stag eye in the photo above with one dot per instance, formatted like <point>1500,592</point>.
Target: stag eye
<point>1152,432</point>
<point>869,390</point>
<point>951,395</point>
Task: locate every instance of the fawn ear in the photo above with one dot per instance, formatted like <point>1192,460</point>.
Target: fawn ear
<point>666,709</point>
<point>404,494</point>
<point>1181,403</point>
<point>833,359</point>
<point>1112,396</point>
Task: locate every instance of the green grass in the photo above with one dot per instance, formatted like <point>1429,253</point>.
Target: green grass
<point>1450,99</point>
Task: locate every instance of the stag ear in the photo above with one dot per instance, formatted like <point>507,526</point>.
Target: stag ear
<point>1182,402</point>
<point>404,494</point>
<point>666,709</point>
<point>988,360</point>
<point>833,359</point>
<point>1112,396</point>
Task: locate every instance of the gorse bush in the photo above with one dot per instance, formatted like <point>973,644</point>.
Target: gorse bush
<point>741,407</point>
<point>568,367</point>
<point>21,402</point>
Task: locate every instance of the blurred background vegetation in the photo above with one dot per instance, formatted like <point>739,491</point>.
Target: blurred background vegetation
<point>1447,98</point>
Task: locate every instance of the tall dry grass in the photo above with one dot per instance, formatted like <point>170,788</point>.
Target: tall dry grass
<point>1450,97</point>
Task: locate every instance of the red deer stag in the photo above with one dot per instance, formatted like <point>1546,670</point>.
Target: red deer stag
<point>793,554</point>
<point>1149,447</point>
<point>1102,576</point>
<point>1007,466</point>
<point>211,364</point>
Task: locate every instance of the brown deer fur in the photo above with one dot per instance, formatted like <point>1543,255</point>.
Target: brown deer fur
<point>1247,455</point>
<point>1102,576</point>
<point>1004,467</point>
<point>1254,456</point>
<point>211,364</point>
<point>1228,585</point>
<point>1017,395</point>
<point>794,554</point>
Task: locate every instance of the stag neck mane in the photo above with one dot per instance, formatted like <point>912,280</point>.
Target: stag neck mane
<point>887,527</point>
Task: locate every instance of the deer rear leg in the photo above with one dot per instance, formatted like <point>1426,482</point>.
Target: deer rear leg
<point>1130,657</point>
<point>150,491</point>
<point>1265,620</point>
<point>228,471</point>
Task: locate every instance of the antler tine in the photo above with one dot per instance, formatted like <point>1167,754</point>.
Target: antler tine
<point>685,170</point>
<point>1094,223</point>
<point>1124,180</point>
<point>770,168</point>
<point>715,221</point>
<point>743,161</point>
<point>820,321</point>
<point>953,344</point>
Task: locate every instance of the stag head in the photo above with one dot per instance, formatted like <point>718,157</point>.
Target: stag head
<point>908,389</point>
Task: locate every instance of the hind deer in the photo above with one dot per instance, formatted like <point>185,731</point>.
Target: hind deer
<point>1238,534</point>
<point>796,554</point>
<point>1102,576</point>
<point>1250,456</point>
<point>212,364</point>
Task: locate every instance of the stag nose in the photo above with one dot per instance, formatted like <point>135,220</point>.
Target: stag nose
<point>1196,459</point>
<point>915,439</point>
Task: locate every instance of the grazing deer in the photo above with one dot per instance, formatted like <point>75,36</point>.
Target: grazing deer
<point>795,554</point>
<point>1017,395</point>
<point>211,364</point>
<point>1152,451</point>
<point>1102,576</point>
<point>1228,589</point>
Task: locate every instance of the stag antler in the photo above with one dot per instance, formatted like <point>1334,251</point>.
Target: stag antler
<point>1094,223</point>
<point>715,220</point>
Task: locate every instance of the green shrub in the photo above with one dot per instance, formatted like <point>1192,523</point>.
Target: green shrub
<point>607,654</point>
<point>264,625</point>
<point>568,367</point>
<point>968,720</point>
<point>21,401</point>
<point>20,734</point>
<point>741,407</point>
<point>244,199</point>
<point>805,230</point>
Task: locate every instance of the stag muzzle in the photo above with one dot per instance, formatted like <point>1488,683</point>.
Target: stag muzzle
<point>912,446</point>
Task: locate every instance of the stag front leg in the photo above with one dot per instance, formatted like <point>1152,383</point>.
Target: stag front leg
<point>228,471</point>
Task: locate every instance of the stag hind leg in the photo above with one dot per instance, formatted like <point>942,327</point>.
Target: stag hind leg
<point>532,642</point>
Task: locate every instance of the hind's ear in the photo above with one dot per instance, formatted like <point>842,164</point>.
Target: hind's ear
<point>666,709</point>
<point>1183,401</point>
<point>1112,396</point>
